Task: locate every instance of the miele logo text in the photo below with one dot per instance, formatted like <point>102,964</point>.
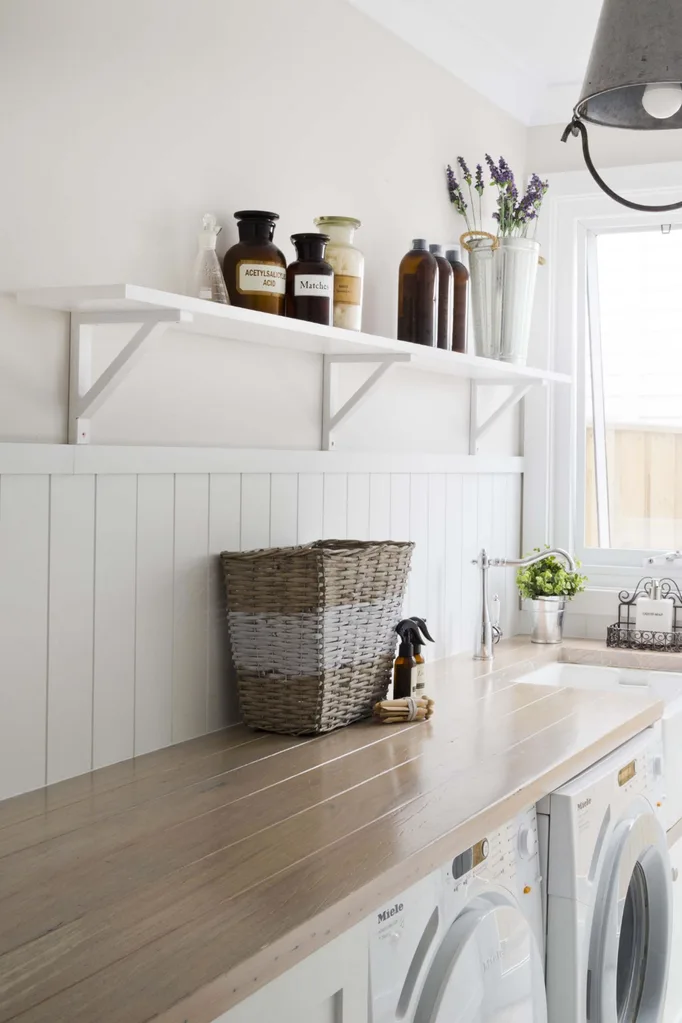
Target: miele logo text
<point>491,960</point>
<point>585,803</point>
<point>386,914</point>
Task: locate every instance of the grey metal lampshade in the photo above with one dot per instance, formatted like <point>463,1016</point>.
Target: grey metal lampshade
<point>638,43</point>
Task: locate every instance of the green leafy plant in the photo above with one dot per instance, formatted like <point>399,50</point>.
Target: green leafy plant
<point>549,578</point>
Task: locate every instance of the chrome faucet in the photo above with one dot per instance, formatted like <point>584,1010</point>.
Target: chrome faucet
<point>489,633</point>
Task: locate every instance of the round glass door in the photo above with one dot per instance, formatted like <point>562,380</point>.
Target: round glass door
<point>631,935</point>
<point>487,970</point>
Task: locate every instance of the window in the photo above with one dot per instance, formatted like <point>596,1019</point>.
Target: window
<point>603,467</point>
<point>633,387</point>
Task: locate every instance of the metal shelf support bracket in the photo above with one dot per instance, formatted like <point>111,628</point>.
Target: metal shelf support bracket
<point>332,419</point>
<point>478,429</point>
<point>86,395</point>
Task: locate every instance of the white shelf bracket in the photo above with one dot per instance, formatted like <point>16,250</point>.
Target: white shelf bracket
<point>332,419</point>
<point>86,395</point>
<point>477,429</point>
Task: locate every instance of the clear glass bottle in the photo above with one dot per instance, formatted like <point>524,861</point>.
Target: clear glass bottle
<point>348,264</point>
<point>207,277</point>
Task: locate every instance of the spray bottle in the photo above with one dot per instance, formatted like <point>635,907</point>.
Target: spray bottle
<point>421,634</point>
<point>409,674</point>
<point>405,665</point>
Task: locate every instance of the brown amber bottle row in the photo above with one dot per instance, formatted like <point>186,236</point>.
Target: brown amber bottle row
<point>257,276</point>
<point>432,297</point>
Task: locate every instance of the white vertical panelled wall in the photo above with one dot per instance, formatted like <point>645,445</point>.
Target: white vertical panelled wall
<point>112,634</point>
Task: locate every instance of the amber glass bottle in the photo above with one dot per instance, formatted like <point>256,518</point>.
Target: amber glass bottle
<point>418,295</point>
<point>254,268</point>
<point>404,672</point>
<point>446,297</point>
<point>461,302</point>
<point>310,281</point>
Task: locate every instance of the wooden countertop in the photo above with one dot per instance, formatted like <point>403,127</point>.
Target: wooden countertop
<point>172,886</point>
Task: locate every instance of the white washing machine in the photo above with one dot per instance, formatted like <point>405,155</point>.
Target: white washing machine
<point>609,890</point>
<point>464,944</point>
<point>660,685</point>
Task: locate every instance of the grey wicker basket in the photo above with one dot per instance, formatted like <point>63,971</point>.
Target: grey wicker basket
<point>311,629</point>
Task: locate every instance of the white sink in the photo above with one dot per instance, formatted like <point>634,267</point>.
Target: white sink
<point>663,685</point>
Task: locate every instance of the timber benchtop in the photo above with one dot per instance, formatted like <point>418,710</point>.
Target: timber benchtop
<point>172,886</point>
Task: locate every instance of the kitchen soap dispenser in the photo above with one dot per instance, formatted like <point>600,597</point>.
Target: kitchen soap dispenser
<point>655,613</point>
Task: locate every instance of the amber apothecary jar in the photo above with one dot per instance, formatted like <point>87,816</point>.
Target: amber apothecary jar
<point>255,270</point>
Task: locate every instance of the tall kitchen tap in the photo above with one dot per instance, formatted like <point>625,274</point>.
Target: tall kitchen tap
<point>487,633</point>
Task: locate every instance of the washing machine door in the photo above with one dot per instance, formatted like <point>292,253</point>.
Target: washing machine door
<point>631,936</point>
<point>488,969</point>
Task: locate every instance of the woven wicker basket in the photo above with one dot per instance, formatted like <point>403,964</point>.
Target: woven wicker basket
<point>311,630</point>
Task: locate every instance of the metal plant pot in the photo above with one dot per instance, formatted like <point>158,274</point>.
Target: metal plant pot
<point>484,296</point>
<point>547,620</point>
<point>516,269</point>
<point>503,275</point>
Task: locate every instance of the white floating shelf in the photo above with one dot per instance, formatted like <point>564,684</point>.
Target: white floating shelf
<point>158,311</point>
<point>275,331</point>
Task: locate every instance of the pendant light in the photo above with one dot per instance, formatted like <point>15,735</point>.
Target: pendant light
<point>634,77</point>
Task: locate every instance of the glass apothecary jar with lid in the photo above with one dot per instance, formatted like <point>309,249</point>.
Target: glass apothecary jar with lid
<point>349,269</point>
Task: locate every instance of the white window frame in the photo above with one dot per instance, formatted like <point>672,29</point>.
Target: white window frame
<point>576,210</point>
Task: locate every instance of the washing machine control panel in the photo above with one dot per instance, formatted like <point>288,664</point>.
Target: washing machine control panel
<point>508,856</point>
<point>471,858</point>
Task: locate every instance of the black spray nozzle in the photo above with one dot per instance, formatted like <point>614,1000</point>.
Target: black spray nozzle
<point>423,629</point>
<point>410,631</point>
<point>405,630</point>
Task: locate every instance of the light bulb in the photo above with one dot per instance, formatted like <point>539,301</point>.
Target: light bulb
<point>662,101</point>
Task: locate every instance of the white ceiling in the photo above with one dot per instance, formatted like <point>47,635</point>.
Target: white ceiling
<point>527,57</point>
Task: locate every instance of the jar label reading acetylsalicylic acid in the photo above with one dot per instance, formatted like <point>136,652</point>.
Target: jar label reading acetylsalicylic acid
<point>260,278</point>
<point>319,285</point>
<point>347,289</point>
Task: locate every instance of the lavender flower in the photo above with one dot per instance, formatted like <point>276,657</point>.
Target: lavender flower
<point>466,173</point>
<point>455,192</point>
<point>505,170</point>
<point>495,176</point>
<point>529,207</point>
<point>514,213</point>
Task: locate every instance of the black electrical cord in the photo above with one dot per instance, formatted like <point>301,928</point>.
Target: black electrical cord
<point>577,127</point>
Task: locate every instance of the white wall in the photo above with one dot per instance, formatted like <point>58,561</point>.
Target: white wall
<point>610,147</point>
<point>122,123</point>
<point>112,633</point>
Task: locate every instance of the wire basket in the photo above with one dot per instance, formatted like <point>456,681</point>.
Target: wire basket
<point>312,631</point>
<point>624,634</point>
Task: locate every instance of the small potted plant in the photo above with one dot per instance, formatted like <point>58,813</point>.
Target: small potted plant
<point>548,584</point>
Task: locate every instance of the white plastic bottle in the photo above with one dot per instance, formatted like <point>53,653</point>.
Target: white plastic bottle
<point>654,613</point>
<point>207,277</point>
